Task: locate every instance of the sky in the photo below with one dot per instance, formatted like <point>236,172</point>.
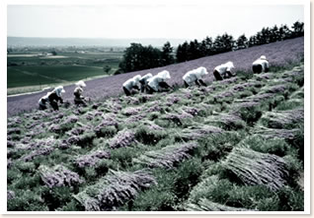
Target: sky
<point>183,21</point>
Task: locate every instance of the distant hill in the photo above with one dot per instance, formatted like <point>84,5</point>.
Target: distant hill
<point>34,41</point>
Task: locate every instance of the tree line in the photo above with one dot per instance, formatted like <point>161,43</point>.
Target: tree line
<point>139,57</point>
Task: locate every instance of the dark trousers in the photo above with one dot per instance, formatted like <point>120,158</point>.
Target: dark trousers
<point>126,91</point>
<point>42,107</point>
<point>54,105</point>
<point>217,75</point>
<point>149,90</point>
<point>228,74</point>
<point>164,85</point>
<point>257,68</point>
<point>186,84</point>
<point>200,82</point>
<point>266,69</point>
<point>80,101</point>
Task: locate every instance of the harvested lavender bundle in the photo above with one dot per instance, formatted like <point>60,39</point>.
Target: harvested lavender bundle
<point>255,168</point>
<point>275,88</point>
<point>191,110</point>
<point>268,133</point>
<point>59,176</point>
<point>124,138</point>
<point>113,190</point>
<point>228,121</point>
<point>55,128</point>
<point>207,205</point>
<point>10,194</point>
<point>92,159</point>
<point>40,147</point>
<point>283,119</point>
<point>129,111</point>
<point>196,132</point>
<point>177,118</point>
<point>168,156</point>
<point>39,152</point>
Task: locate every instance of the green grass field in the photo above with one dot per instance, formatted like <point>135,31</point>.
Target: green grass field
<point>16,78</point>
<point>39,75</point>
<point>25,70</point>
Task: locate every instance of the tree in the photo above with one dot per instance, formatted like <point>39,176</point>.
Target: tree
<point>166,54</point>
<point>252,41</point>
<point>298,29</point>
<point>209,45</point>
<point>227,42</point>
<point>193,50</point>
<point>203,49</point>
<point>223,43</point>
<point>217,45</point>
<point>242,42</point>
<point>284,32</point>
<point>138,57</point>
<point>274,34</point>
<point>179,54</point>
<point>182,52</point>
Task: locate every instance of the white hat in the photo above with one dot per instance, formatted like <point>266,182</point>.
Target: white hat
<point>263,57</point>
<point>164,74</point>
<point>59,90</point>
<point>203,70</point>
<point>230,64</point>
<point>137,78</point>
<point>80,83</point>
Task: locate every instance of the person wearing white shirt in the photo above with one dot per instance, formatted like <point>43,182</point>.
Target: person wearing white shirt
<point>144,81</point>
<point>130,84</point>
<point>158,82</point>
<point>78,93</point>
<point>195,76</point>
<point>42,102</point>
<point>260,65</point>
<point>224,71</point>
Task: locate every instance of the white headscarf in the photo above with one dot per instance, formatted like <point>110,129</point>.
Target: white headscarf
<point>59,90</point>
<point>146,77</point>
<point>202,71</point>
<point>81,84</point>
<point>164,74</point>
<point>137,78</point>
<point>230,65</point>
<point>263,57</point>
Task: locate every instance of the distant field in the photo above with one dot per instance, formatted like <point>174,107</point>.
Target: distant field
<point>29,69</point>
<point>38,75</point>
<point>17,78</point>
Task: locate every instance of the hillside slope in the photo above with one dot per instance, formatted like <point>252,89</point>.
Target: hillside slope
<point>278,53</point>
<point>234,145</point>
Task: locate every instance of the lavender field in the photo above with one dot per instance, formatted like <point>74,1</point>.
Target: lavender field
<point>278,53</point>
<point>234,145</point>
